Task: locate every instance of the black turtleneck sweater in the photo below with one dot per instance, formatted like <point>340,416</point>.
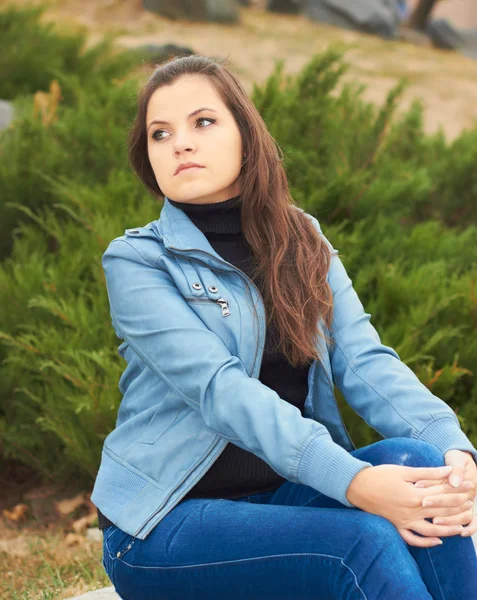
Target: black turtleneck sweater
<point>237,472</point>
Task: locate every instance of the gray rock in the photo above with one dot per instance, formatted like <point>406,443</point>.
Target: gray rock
<point>285,6</point>
<point>447,37</point>
<point>444,35</point>
<point>225,11</point>
<point>103,594</point>
<point>380,17</point>
<point>6,114</point>
<point>94,534</point>
<point>157,54</point>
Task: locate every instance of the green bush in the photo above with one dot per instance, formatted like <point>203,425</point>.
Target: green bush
<point>32,53</point>
<point>83,138</point>
<point>398,204</point>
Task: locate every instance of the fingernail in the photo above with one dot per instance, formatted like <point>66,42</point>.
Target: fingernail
<point>447,469</point>
<point>440,542</point>
<point>455,480</point>
<point>419,484</point>
<point>464,533</point>
<point>426,502</point>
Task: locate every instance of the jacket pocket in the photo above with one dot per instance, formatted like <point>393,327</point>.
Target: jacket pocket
<point>159,423</point>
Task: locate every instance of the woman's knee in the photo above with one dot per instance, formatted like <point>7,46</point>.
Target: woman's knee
<point>380,552</point>
<point>409,452</point>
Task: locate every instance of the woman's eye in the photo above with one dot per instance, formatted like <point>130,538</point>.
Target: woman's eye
<point>205,119</point>
<point>153,135</point>
<point>157,139</point>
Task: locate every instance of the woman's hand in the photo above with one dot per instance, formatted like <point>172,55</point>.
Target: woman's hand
<point>464,469</point>
<point>389,491</point>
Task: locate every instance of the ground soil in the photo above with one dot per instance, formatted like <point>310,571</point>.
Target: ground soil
<point>444,81</point>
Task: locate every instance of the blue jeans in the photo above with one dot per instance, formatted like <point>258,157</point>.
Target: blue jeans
<point>290,543</point>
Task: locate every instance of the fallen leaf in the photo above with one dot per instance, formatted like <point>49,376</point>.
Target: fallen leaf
<point>69,505</point>
<point>17,513</point>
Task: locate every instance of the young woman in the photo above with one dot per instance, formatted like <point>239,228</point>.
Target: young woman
<point>230,473</point>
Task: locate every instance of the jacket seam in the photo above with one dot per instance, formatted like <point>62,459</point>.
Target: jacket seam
<point>123,463</point>
<point>302,451</point>
<point>454,420</point>
<point>148,362</point>
<point>152,263</point>
<point>369,382</point>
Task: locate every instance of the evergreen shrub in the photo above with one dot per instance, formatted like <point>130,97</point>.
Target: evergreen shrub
<point>405,230</point>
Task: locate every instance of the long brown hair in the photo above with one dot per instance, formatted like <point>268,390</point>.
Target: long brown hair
<point>291,260</point>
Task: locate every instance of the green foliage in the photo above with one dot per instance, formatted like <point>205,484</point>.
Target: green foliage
<point>33,52</point>
<point>399,205</point>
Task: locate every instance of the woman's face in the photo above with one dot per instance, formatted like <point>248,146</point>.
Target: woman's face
<point>210,138</point>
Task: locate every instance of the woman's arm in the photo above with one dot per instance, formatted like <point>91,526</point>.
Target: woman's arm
<point>375,382</point>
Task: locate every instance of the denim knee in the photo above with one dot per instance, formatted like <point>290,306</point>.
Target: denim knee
<point>411,453</point>
<point>379,532</point>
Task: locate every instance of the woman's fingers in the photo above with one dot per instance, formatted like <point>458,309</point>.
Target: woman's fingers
<point>420,542</point>
<point>471,527</point>
<point>466,487</point>
<point>424,483</point>
<point>432,533</point>
<point>463,518</point>
<point>446,499</point>
<point>446,511</point>
<point>430,530</point>
<point>413,474</point>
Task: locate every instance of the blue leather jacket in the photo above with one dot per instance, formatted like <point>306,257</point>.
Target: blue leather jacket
<point>193,331</point>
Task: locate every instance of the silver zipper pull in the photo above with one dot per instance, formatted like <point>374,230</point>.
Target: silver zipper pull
<point>225,306</point>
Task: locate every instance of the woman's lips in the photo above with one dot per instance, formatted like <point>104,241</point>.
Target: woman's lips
<point>190,169</point>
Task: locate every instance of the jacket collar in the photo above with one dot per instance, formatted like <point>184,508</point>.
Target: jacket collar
<point>178,231</point>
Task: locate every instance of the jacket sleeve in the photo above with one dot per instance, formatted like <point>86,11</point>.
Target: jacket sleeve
<point>376,383</point>
<point>149,312</point>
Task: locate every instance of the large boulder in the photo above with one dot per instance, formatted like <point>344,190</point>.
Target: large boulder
<point>225,11</point>
<point>447,37</point>
<point>285,6</point>
<point>380,17</point>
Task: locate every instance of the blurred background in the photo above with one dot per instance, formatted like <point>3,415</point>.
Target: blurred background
<point>374,104</point>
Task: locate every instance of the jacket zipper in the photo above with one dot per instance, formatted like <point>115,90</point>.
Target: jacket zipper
<point>223,303</point>
<point>164,502</point>
<point>242,274</point>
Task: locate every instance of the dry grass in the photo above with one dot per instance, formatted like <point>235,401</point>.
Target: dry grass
<point>38,563</point>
